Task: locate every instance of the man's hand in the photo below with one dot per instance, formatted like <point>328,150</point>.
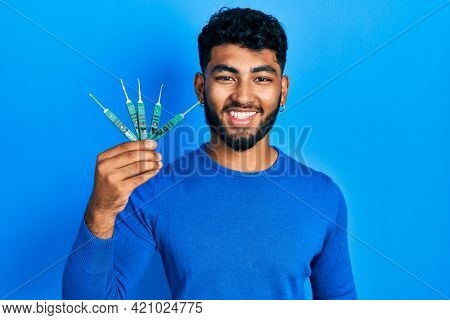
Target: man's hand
<point>118,172</point>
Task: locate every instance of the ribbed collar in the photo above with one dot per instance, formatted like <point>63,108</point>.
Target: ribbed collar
<point>275,168</point>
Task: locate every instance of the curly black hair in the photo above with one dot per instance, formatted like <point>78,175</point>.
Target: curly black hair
<point>246,27</point>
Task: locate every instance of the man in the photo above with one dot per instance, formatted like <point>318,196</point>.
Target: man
<point>236,218</point>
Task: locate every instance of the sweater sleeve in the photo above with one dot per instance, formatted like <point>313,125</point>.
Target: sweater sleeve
<point>331,271</point>
<point>106,268</point>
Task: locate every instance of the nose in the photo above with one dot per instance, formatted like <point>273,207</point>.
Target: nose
<point>243,94</point>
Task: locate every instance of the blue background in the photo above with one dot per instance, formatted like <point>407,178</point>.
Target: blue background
<point>380,130</point>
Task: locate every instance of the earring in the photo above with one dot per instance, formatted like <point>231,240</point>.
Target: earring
<point>201,104</point>
<point>282,108</point>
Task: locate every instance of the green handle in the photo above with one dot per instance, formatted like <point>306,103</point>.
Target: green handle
<point>155,118</point>
<point>167,127</point>
<point>142,121</point>
<point>134,116</point>
<point>123,128</point>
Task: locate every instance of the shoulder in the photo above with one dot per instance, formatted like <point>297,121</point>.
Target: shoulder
<point>148,196</point>
<point>171,172</point>
<point>183,165</point>
<point>317,184</point>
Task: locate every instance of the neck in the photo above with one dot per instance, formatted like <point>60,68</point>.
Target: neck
<point>258,158</point>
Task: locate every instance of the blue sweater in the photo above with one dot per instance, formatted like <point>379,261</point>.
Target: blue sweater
<point>222,234</point>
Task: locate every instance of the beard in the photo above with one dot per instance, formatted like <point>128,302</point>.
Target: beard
<point>244,139</point>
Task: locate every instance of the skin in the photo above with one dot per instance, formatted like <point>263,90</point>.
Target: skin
<point>242,89</point>
<point>123,168</point>
<point>118,172</point>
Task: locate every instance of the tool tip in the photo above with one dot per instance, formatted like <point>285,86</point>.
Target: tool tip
<point>160,91</point>
<point>139,91</point>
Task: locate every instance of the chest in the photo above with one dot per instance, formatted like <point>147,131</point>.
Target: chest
<point>239,233</point>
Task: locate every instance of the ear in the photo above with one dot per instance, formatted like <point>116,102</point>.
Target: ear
<point>284,89</point>
<point>199,86</point>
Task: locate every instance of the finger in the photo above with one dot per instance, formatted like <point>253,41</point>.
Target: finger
<point>138,180</point>
<point>136,168</point>
<point>129,157</point>
<point>127,146</point>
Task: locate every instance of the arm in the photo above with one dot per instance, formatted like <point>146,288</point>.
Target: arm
<point>115,240</point>
<point>331,271</point>
<point>106,268</point>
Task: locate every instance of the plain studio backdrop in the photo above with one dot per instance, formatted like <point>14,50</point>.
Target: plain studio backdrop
<point>369,84</point>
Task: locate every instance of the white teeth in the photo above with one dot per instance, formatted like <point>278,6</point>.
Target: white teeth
<point>241,115</point>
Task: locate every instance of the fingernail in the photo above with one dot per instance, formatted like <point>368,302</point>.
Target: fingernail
<point>159,156</point>
<point>150,143</point>
<point>160,164</point>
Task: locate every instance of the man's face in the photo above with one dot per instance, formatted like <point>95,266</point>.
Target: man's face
<point>242,93</point>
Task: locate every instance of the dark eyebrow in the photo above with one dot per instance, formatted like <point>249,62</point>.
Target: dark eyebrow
<point>223,67</point>
<point>265,67</point>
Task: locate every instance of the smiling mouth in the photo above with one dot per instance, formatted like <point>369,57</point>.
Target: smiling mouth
<point>240,118</point>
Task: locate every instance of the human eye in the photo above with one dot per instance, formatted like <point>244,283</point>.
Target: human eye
<point>263,79</point>
<point>224,78</point>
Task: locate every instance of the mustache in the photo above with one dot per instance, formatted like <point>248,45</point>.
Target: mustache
<point>238,105</point>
